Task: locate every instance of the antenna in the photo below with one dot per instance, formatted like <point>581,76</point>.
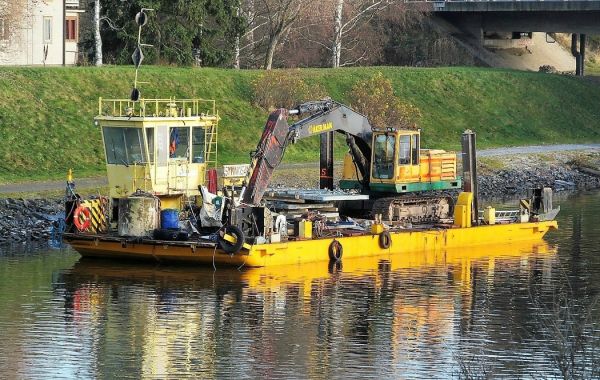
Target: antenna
<point>141,19</point>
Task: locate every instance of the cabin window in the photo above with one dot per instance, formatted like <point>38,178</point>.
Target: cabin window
<point>124,146</point>
<point>150,140</point>
<point>415,149</point>
<point>162,145</point>
<point>404,152</point>
<point>47,30</point>
<point>198,149</point>
<point>384,149</point>
<point>179,142</point>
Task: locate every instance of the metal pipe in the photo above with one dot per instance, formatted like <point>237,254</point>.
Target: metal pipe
<point>326,161</point>
<point>469,159</point>
<point>578,54</point>
<point>582,38</point>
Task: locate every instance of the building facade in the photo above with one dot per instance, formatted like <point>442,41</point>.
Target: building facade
<point>39,32</point>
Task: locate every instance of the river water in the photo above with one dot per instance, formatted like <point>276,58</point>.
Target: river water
<point>509,311</point>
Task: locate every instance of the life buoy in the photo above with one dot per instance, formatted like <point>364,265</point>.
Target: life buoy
<point>335,251</point>
<point>385,240</point>
<point>82,218</point>
<point>231,248</point>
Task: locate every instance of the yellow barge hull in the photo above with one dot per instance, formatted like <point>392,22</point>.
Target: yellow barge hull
<point>307,251</point>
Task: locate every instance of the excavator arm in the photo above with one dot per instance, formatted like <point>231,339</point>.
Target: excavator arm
<point>316,118</point>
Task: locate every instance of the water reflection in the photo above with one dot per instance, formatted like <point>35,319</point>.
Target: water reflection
<point>496,310</point>
<point>311,321</point>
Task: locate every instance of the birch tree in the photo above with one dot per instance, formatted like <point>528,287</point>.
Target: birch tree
<point>348,16</point>
<point>97,36</point>
<point>246,42</point>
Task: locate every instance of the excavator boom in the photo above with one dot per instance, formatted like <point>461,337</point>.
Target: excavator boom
<point>324,116</point>
<point>267,156</point>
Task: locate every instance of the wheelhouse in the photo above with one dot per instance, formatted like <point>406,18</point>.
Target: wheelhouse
<point>161,146</point>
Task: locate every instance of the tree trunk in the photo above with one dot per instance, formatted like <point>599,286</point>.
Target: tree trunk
<point>271,51</point>
<point>236,54</point>
<point>236,48</point>
<point>97,36</point>
<point>251,15</point>
<point>336,49</point>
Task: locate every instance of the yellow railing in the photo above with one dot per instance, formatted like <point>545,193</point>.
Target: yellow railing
<point>157,108</point>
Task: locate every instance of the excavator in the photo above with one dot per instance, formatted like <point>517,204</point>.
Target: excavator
<point>387,164</point>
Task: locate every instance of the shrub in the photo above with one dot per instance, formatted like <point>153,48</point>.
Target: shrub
<point>283,89</point>
<point>375,98</point>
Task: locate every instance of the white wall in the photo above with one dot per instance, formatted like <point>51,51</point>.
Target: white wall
<point>26,46</point>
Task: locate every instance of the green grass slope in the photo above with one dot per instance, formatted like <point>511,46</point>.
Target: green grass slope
<point>46,114</point>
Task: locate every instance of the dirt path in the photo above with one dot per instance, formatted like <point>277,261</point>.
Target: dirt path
<point>98,182</point>
<point>542,52</point>
<point>533,149</point>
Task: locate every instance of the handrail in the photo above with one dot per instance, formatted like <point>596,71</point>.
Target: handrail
<point>157,108</point>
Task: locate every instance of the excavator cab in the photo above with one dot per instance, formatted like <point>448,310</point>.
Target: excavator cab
<point>399,165</point>
<point>395,156</point>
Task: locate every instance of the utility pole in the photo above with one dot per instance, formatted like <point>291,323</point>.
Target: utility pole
<point>64,39</point>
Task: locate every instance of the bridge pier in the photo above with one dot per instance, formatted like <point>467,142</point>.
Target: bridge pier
<point>578,54</point>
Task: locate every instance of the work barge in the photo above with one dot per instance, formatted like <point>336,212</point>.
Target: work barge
<point>166,204</point>
<point>166,171</point>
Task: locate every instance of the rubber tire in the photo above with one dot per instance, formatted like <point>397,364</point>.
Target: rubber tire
<point>385,240</point>
<point>229,247</point>
<point>166,234</point>
<point>336,251</point>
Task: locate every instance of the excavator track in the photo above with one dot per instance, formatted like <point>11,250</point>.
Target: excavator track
<point>415,210</point>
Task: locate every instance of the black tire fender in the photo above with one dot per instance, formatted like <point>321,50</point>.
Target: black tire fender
<point>232,248</point>
<point>336,251</point>
<point>385,240</point>
<point>335,267</point>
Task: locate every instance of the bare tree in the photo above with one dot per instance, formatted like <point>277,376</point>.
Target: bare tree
<point>13,14</point>
<point>350,15</point>
<point>247,42</point>
<point>281,15</point>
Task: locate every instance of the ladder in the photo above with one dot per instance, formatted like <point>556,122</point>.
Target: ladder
<point>210,145</point>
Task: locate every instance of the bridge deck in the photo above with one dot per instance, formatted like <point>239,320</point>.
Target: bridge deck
<point>516,6</point>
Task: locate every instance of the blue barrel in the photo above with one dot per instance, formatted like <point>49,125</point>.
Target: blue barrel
<point>169,219</point>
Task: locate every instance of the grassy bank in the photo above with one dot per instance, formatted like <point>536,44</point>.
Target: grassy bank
<point>46,114</point>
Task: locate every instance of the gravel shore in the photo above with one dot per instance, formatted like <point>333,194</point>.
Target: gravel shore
<point>26,221</point>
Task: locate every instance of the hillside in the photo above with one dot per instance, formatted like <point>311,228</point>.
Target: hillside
<point>46,115</point>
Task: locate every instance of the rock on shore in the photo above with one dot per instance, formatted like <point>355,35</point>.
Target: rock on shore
<point>508,183</point>
<point>28,220</point>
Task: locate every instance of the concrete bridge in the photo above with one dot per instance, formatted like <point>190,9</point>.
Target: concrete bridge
<point>496,22</point>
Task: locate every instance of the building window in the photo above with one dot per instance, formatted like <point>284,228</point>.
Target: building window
<point>71,29</point>
<point>47,30</point>
<point>3,30</point>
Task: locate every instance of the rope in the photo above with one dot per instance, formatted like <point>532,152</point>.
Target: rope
<point>57,233</point>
